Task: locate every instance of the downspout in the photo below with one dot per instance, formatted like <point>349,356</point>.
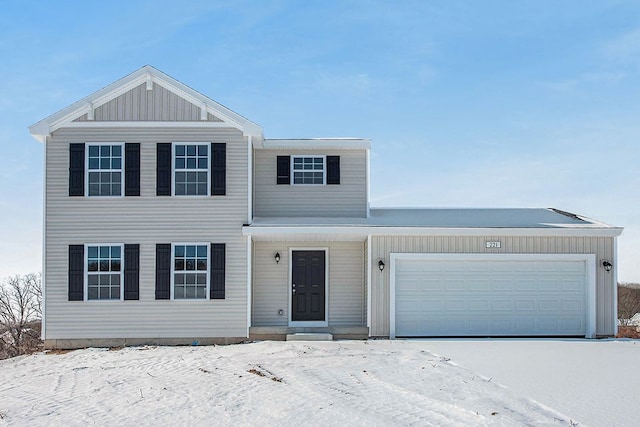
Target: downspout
<point>44,240</point>
<point>249,280</point>
<point>250,180</point>
<point>369,283</point>
<point>249,221</point>
<point>368,177</point>
<point>615,286</point>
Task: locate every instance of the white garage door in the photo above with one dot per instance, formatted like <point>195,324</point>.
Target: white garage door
<point>476,296</point>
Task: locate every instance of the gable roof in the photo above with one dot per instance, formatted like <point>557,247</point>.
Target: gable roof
<point>148,75</point>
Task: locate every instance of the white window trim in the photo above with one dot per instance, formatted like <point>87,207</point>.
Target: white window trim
<point>86,272</point>
<point>86,167</point>
<point>302,156</point>
<point>208,273</point>
<point>310,323</point>
<point>173,167</point>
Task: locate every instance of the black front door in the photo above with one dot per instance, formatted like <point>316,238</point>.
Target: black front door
<point>307,286</point>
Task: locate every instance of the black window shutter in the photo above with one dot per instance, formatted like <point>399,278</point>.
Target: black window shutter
<point>132,169</point>
<point>76,169</point>
<point>333,170</point>
<point>163,169</point>
<point>217,271</point>
<point>218,169</point>
<point>76,272</point>
<point>284,170</point>
<point>132,272</point>
<point>163,271</point>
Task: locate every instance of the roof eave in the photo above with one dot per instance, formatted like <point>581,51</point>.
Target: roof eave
<point>364,230</point>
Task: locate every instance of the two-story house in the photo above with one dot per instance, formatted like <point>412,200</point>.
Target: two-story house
<point>170,219</point>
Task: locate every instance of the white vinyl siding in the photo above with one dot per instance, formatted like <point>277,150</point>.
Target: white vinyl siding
<point>348,199</point>
<point>271,282</point>
<point>383,246</point>
<point>145,220</point>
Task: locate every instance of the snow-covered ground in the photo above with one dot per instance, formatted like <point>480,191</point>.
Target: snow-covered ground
<point>596,382</point>
<point>374,383</point>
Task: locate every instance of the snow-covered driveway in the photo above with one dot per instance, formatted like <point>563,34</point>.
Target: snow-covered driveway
<point>596,382</point>
<point>344,383</point>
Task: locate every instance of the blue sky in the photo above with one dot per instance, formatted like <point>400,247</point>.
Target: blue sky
<point>467,103</point>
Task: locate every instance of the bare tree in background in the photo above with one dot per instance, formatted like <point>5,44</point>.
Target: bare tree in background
<point>20,314</point>
<point>628,302</point>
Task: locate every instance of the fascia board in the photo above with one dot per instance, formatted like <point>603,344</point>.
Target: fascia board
<point>318,143</point>
<point>78,108</point>
<point>152,124</point>
<point>431,231</point>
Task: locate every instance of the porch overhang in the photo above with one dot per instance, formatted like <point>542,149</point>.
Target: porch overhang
<point>304,233</point>
<point>359,233</point>
<point>429,222</point>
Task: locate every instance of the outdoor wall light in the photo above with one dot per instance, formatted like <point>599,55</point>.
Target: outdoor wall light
<point>277,257</point>
<point>381,265</point>
<point>607,265</point>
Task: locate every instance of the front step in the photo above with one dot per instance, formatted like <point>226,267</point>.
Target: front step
<point>310,336</point>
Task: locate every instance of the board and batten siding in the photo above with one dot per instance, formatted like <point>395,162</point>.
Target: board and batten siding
<point>382,246</point>
<point>348,199</point>
<point>146,220</point>
<point>271,282</point>
<point>140,104</point>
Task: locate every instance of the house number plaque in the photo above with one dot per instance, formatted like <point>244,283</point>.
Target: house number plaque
<point>492,245</point>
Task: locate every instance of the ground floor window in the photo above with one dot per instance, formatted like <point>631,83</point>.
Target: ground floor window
<point>190,271</point>
<point>104,272</point>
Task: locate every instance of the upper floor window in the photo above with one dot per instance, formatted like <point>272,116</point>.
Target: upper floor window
<point>190,271</point>
<point>191,169</point>
<point>308,170</point>
<point>104,272</point>
<point>104,171</point>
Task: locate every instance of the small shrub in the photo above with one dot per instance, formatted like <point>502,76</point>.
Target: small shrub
<point>628,332</point>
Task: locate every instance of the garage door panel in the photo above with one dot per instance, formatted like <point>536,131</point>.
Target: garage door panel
<point>525,305</point>
<point>482,285</point>
<point>477,267</point>
<point>496,298</point>
<point>502,305</point>
<point>571,285</point>
<point>549,305</point>
<point>499,285</point>
<point>572,305</point>
<point>479,305</point>
<point>549,285</point>
<point>455,285</point>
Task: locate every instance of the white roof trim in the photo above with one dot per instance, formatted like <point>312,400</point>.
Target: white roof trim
<point>146,75</point>
<point>364,231</point>
<point>147,124</point>
<point>317,143</point>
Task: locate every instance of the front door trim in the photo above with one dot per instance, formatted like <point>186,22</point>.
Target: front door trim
<point>324,323</point>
